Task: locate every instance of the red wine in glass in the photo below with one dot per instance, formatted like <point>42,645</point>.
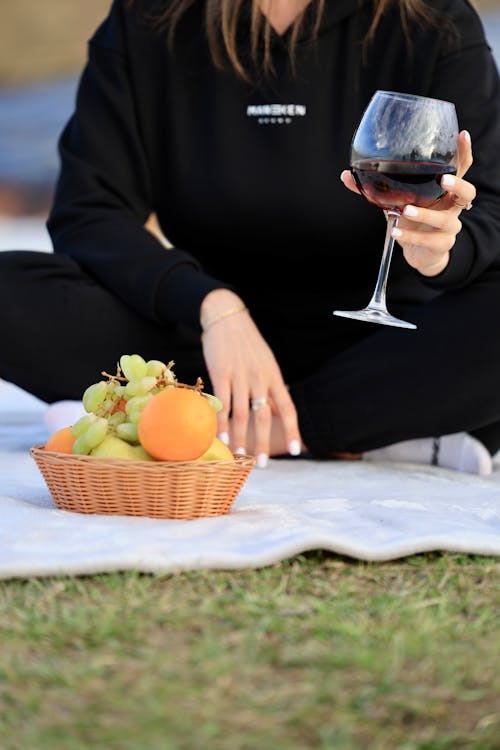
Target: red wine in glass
<point>392,185</point>
<point>401,149</point>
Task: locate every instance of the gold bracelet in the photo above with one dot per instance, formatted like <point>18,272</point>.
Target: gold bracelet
<point>225,314</point>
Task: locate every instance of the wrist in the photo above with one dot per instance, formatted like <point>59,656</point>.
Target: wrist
<point>436,268</point>
<point>218,305</point>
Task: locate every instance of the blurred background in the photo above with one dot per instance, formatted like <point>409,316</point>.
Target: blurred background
<point>42,51</point>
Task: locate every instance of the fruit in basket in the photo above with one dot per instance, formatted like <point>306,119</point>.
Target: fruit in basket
<point>61,441</point>
<point>94,396</point>
<point>133,366</point>
<point>135,405</point>
<point>82,425</point>
<point>179,427</point>
<point>91,437</point>
<point>215,402</point>
<point>177,424</point>
<point>218,451</point>
<point>140,454</point>
<point>115,447</point>
<point>127,431</point>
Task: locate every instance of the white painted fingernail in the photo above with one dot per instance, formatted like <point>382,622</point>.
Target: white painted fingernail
<point>240,451</point>
<point>467,136</point>
<point>224,437</point>
<point>397,232</point>
<point>448,180</point>
<point>294,447</point>
<point>410,211</point>
<point>262,460</point>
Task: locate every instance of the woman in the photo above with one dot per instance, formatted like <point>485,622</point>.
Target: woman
<point>233,134</point>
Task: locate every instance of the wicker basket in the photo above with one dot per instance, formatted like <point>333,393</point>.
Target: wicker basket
<point>160,489</point>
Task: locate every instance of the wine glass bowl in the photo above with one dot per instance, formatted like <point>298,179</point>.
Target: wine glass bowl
<point>402,147</point>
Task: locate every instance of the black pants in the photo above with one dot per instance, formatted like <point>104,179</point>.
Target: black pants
<point>60,330</point>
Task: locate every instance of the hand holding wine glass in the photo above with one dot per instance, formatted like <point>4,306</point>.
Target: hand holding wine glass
<point>428,235</point>
<point>400,152</point>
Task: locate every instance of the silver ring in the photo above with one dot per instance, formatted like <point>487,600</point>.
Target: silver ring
<point>258,403</point>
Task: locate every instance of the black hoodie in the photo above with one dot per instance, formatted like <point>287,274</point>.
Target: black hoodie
<point>244,178</point>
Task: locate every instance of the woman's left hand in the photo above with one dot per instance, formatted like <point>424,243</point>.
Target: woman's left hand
<point>427,235</point>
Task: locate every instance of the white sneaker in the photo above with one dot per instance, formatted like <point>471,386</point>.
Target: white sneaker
<point>459,451</point>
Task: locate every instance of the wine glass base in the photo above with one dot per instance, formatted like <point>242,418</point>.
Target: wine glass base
<point>369,315</point>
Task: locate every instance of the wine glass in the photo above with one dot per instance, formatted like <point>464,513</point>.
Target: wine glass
<point>402,147</point>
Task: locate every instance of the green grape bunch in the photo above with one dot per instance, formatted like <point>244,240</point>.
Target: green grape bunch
<point>114,406</point>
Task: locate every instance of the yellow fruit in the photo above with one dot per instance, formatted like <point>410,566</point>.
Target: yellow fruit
<point>114,447</point>
<point>218,451</point>
<point>139,454</point>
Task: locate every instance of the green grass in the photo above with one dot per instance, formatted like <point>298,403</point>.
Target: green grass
<point>315,652</point>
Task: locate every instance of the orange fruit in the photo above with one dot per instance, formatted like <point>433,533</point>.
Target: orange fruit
<point>177,424</point>
<point>61,441</point>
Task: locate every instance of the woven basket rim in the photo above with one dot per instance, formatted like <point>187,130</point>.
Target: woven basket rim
<point>238,460</point>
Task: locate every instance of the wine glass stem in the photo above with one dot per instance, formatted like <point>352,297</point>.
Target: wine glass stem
<point>378,299</point>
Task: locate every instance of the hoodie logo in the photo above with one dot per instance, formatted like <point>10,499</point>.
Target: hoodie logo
<point>276,114</point>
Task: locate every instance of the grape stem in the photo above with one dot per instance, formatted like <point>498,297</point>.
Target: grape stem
<point>198,386</point>
<point>115,377</point>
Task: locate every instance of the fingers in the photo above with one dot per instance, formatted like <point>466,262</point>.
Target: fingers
<point>223,392</point>
<point>265,425</point>
<point>435,242</point>
<point>427,237</point>
<point>349,182</point>
<point>289,421</point>
<point>276,435</point>
<point>465,158</point>
<point>460,192</point>
<point>232,419</point>
<point>239,416</point>
<point>261,412</point>
<point>445,221</point>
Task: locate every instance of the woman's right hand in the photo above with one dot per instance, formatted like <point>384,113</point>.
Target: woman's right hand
<point>242,368</point>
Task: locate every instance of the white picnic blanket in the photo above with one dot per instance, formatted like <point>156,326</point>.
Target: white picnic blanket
<point>363,510</point>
